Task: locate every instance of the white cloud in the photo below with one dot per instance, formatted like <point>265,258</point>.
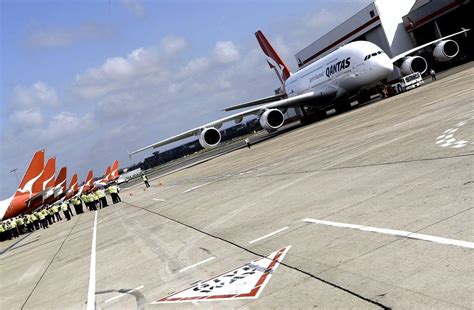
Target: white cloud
<point>226,52</point>
<point>49,37</point>
<point>135,6</point>
<point>37,94</point>
<point>27,118</point>
<point>174,44</point>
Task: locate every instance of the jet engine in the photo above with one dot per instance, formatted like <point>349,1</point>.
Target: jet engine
<point>445,50</point>
<point>412,64</point>
<point>272,119</point>
<point>209,137</point>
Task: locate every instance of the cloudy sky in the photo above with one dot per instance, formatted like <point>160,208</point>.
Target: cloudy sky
<point>88,80</point>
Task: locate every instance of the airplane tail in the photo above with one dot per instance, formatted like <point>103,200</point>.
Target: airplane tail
<point>61,179</point>
<point>107,174</point>
<point>32,182</point>
<point>48,173</point>
<point>90,177</point>
<point>114,173</point>
<point>74,185</point>
<point>274,60</point>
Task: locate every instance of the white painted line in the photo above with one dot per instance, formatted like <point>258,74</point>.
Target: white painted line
<point>195,187</point>
<point>158,199</point>
<point>123,294</point>
<point>91,292</point>
<point>197,264</point>
<point>400,233</point>
<point>269,235</point>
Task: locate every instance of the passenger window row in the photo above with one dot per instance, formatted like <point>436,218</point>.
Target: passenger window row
<point>372,55</point>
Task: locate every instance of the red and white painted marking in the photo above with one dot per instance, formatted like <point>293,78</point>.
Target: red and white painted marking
<point>245,282</point>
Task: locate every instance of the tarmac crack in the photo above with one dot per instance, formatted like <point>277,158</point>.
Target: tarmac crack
<point>50,263</point>
<point>334,285</point>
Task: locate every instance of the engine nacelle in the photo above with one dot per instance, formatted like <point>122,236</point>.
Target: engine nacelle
<point>209,137</point>
<point>272,119</point>
<point>445,50</point>
<point>413,64</point>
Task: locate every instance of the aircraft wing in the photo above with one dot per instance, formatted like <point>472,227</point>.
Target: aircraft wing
<point>402,55</point>
<point>284,103</point>
<point>255,102</point>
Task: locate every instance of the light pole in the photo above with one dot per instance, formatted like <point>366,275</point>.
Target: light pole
<point>14,171</point>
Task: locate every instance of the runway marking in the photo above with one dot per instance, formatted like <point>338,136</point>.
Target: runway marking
<point>245,282</point>
<point>125,293</point>
<point>197,264</point>
<point>195,187</point>
<point>91,292</point>
<point>269,235</point>
<point>400,233</point>
<point>447,140</point>
<point>159,199</point>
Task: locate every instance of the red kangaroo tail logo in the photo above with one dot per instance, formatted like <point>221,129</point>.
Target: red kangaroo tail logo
<point>114,173</point>
<point>32,181</point>
<point>61,179</point>
<point>89,178</point>
<point>107,174</point>
<point>48,173</point>
<point>274,60</point>
<point>74,185</point>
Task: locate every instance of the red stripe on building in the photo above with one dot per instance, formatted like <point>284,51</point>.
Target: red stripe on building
<point>350,34</point>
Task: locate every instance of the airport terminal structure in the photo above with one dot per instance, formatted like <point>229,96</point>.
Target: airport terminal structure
<point>397,26</point>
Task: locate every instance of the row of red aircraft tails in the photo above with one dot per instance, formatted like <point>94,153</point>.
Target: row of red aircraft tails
<point>39,186</point>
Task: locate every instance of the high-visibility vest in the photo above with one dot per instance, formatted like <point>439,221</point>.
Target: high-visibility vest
<point>77,201</point>
<point>2,228</point>
<point>64,206</point>
<point>41,215</point>
<point>19,221</point>
<point>100,194</point>
<point>85,198</point>
<point>55,209</point>
<point>13,224</point>
<point>113,189</point>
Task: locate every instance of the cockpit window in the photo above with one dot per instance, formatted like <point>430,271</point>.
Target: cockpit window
<point>372,55</point>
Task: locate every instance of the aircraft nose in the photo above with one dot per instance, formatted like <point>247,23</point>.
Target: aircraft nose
<point>385,65</point>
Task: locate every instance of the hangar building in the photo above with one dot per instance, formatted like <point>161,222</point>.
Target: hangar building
<point>397,26</point>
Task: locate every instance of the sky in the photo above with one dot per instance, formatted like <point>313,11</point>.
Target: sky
<point>90,80</point>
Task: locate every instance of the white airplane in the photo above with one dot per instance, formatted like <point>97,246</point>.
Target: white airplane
<point>352,67</point>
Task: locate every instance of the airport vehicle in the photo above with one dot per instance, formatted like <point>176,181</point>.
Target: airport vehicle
<point>31,184</point>
<point>351,68</point>
<point>408,82</point>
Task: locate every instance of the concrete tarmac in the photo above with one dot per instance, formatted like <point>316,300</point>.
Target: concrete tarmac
<point>376,204</point>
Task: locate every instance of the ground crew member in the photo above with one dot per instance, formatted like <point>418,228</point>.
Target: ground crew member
<point>36,220</point>
<point>92,201</point>
<point>56,212</point>
<point>3,234</point>
<point>8,229</point>
<point>69,209</point>
<point>113,190</point>
<point>433,75</point>
<point>20,224</point>
<point>13,228</point>
<point>247,142</point>
<point>85,199</point>
<point>101,194</point>
<point>65,209</point>
<point>77,205</point>
<point>42,217</point>
<point>145,180</point>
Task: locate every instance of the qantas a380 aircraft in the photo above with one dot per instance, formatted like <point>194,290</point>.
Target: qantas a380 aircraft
<point>352,67</point>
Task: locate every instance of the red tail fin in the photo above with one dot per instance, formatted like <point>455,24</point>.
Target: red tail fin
<point>89,178</point>
<point>32,181</point>
<point>107,174</point>
<point>275,62</point>
<point>74,185</point>
<point>61,179</point>
<point>48,173</point>
<point>114,172</point>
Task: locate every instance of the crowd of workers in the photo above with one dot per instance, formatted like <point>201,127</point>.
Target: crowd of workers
<point>50,214</point>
